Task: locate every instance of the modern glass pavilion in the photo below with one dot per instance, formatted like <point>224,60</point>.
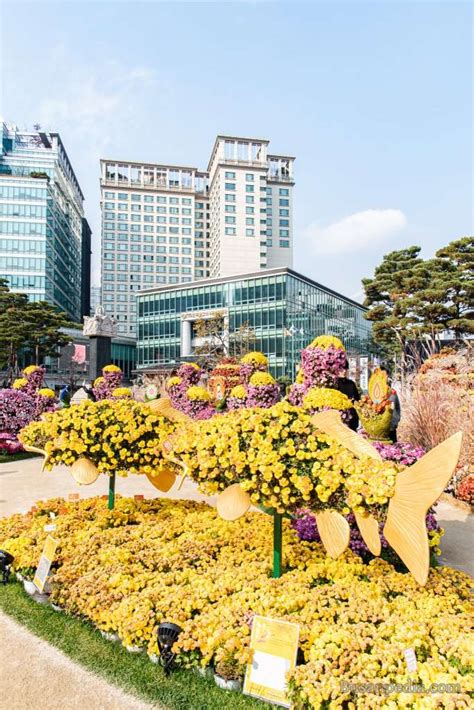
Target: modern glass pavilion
<point>285,309</point>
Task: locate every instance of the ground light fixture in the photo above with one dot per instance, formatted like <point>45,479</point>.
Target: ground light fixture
<point>167,635</point>
<point>6,560</point>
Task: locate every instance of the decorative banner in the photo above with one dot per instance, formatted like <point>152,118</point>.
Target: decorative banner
<point>364,373</point>
<point>44,564</point>
<point>79,354</point>
<point>379,388</point>
<point>216,387</point>
<point>275,646</point>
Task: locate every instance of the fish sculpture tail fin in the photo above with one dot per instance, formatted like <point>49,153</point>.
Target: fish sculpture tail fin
<point>417,489</point>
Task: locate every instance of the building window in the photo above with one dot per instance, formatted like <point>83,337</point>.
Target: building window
<point>249,199</point>
<point>249,177</point>
<point>230,176</point>
<point>284,233</point>
<point>284,191</point>
<point>230,198</point>
<point>230,186</point>
<point>284,203</point>
<point>284,213</point>
<point>229,220</point>
<point>285,243</point>
<point>249,232</point>
<point>249,188</point>
<point>230,208</point>
<point>284,223</point>
<point>230,230</point>
<point>249,220</point>
<point>249,210</point>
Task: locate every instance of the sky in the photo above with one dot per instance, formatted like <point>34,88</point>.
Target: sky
<point>374,100</point>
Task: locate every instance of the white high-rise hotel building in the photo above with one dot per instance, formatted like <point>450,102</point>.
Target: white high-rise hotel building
<point>164,224</point>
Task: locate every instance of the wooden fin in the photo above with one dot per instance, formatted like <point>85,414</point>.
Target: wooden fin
<point>164,408</point>
<point>329,422</point>
<point>416,489</point>
<point>369,529</point>
<point>163,481</point>
<point>36,450</point>
<point>233,502</point>
<point>334,532</point>
<point>84,471</point>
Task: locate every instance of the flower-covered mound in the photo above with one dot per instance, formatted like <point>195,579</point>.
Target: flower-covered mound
<point>116,435</point>
<point>158,560</point>
<point>283,462</point>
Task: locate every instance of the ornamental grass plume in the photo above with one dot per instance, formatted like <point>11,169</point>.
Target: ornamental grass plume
<point>429,416</point>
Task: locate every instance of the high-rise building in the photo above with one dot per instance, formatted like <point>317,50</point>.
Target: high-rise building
<point>41,220</point>
<point>164,224</point>
<point>86,268</point>
<point>96,298</point>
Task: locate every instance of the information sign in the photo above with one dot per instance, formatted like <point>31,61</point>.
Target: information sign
<point>44,564</point>
<point>274,646</point>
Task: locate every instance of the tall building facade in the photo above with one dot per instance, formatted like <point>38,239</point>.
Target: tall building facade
<point>164,224</point>
<point>41,220</point>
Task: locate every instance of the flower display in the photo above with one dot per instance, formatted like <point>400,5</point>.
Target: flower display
<point>237,398</point>
<point>19,383</point>
<point>374,417</point>
<point>110,380</point>
<point>261,378</point>
<point>282,462</point>
<point>327,341</point>
<point>198,393</point>
<point>119,435</point>
<point>318,398</point>
<point>173,381</point>
<point>122,392</point>
<point>46,392</point>
<point>25,402</point>
<point>400,452</point>
<point>306,526</point>
<point>465,489</point>
<point>256,359</point>
<point>111,369</point>
<point>190,373</point>
<point>158,560</point>
<point>262,390</point>
<point>250,363</point>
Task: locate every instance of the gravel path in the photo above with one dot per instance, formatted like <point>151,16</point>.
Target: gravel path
<point>33,674</point>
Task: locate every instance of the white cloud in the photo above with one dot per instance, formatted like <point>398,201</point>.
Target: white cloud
<point>355,232</point>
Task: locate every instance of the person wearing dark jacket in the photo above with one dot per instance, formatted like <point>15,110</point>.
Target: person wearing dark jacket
<point>349,388</point>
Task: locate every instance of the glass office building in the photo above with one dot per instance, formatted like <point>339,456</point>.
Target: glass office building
<point>285,310</point>
<point>44,250</point>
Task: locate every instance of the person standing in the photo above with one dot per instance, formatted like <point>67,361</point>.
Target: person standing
<point>396,413</point>
<point>349,388</point>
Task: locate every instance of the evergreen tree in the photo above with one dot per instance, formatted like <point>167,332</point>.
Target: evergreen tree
<point>33,328</point>
<point>455,266</point>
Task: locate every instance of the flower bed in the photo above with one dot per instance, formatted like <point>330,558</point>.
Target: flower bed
<point>154,560</point>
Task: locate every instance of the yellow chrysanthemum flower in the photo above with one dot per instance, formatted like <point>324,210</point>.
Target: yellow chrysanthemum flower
<point>122,392</point>
<point>111,368</point>
<point>325,341</point>
<point>19,383</point>
<point>46,392</point>
<point>198,393</point>
<point>30,369</point>
<point>238,392</point>
<point>254,358</point>
<point>173,381</point>
<point>259,379</point>
<point>320,397</point>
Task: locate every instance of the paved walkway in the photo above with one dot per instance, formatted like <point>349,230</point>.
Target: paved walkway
<point>33,674</point>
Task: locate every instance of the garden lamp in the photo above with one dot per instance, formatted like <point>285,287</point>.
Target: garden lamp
<point>167,634</point>
<point>5,562</point>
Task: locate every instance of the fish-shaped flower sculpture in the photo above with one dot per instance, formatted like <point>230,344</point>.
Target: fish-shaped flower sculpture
<point>284,458</point>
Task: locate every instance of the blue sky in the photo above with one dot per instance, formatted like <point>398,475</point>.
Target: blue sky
<point>374,100</point>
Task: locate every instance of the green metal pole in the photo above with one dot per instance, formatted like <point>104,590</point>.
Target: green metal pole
<point>112,491</point>
<point>277,544</point>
